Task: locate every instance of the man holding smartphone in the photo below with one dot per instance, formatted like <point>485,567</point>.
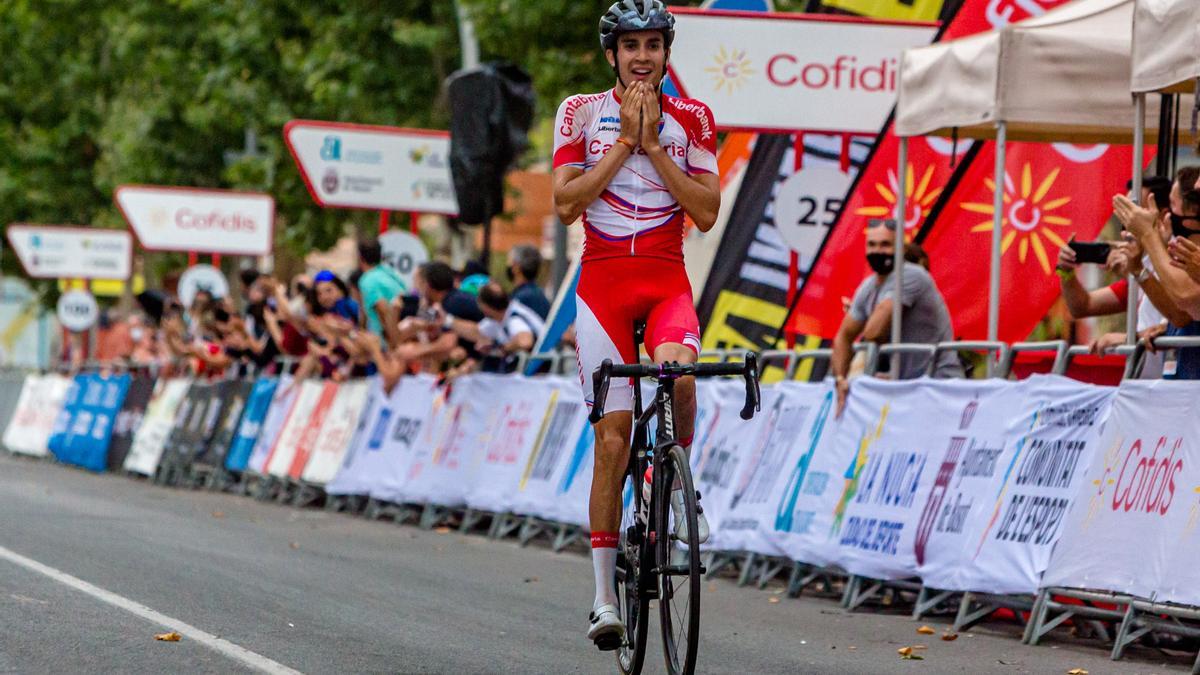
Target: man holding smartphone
<point>1155,307</point>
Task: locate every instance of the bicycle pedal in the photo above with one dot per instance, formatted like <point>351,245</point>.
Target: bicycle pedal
<point>608,642</point>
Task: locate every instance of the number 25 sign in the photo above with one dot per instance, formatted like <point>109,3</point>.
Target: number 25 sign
<point>807,205</point>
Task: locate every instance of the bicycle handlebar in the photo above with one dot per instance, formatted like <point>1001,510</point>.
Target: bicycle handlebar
<point>608,370</point>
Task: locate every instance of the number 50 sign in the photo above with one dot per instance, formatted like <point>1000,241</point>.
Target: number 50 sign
<point>808,204</point>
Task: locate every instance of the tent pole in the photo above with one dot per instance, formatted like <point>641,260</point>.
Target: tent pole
<point>997,233</point>
<point>901,219</point>
<point>1139,148</point>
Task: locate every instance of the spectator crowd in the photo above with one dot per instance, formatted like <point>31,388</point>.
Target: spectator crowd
<point>450,322</point>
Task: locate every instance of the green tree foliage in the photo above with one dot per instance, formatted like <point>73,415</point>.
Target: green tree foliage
<point>93,95</point>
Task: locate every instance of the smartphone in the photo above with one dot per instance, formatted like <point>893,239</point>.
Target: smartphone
<point>1095,252</point>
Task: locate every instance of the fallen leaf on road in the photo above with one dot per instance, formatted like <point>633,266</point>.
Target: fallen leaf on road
<point>442,530</point>
<point>851,647</point>
<point>904,651</point>
<point>169,637</point>
<point>530,580</point>
<point>218,514</point>
<point>293,545</point>
<point>907,654</point>
<point>712,588</point>
<point>926,630</point>
<point>949,636</point>
<point>773,601</point>
<point>1077,671</point>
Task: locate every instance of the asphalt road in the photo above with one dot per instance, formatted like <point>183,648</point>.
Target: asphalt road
<point>332,593</point>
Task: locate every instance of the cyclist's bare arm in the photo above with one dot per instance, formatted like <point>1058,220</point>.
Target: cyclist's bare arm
<point>699,195</point>
<point>575,189</point>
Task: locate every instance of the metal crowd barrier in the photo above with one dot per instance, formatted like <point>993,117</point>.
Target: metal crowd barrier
<point>1132,617</point>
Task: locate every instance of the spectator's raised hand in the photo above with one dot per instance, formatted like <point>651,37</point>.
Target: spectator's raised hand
<point>1185,254</point>
<point>1139,221</point>
<point>1066,258</point>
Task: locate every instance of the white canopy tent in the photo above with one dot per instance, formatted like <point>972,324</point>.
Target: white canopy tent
<point>1062,76</point>
<point>1166,59</point>
<point>1166,46</point>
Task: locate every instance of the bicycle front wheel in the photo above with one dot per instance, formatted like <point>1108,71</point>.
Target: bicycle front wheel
<point>633,603</point>
<point>678,560</point>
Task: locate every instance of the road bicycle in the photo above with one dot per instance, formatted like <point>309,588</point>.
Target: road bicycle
<point>652,563</point>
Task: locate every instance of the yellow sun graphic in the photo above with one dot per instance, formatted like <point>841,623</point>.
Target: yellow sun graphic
<point>919,199</point>
<point>1027,216</point>
<point>732,70</point>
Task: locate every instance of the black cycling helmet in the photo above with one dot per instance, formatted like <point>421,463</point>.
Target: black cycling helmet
<point>627,16</point>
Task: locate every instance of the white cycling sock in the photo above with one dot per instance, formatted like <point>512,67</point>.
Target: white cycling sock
<point>604,567</point>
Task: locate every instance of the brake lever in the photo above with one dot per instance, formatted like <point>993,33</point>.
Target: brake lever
<point>600,380</point>
<point>753,393</point>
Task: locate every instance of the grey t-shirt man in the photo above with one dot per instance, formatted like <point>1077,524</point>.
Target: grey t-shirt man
<point>925,318</point>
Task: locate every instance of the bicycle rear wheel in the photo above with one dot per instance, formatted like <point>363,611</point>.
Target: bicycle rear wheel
<point>679,568</point>
<point>631,601</point>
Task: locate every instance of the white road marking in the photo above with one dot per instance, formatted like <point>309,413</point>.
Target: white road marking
<point>239,654</point>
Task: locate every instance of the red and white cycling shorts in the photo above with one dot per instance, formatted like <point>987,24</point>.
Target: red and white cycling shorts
<point>613,294</point>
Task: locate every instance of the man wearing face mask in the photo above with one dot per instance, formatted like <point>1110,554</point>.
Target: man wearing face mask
<point>1169,261</point>
<point>925,317</point>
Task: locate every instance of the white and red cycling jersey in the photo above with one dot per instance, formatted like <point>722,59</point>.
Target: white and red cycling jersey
<point>632,266</point>
<point>635,215</point>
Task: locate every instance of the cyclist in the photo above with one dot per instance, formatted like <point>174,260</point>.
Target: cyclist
<point>632,161</point>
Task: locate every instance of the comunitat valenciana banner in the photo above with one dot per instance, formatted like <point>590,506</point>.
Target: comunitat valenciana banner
<point>993,524</point>
<point>1134,527</point>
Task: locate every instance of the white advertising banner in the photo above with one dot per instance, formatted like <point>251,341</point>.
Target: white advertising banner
<point>1133,528</point>
<point>787,72</point>
<point>720,450</point>
<point>349,479</point>
<point>32,423</point>
<point>57,252</point>
<point>378,459</point>
<point>151,436</point>
<point>205,221</point>
<point>574,488</point>
<point>448,444</point>
<point>373,167</point>
<point>518,411</point>
<point>798,411</point>
<point>277,415</point>
<point>334,440</point>
<point>900,435</point>
<point>301,428</point>
<point>811,484</point>
<point>1004,509</point>
<point>552,457</point>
